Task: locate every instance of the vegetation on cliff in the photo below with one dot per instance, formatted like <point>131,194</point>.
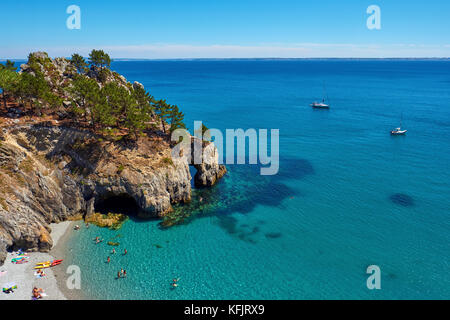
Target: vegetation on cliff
<point>87,93</point>
<point>74,134</point>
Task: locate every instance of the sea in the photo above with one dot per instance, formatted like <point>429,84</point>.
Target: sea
<point>348,196</point>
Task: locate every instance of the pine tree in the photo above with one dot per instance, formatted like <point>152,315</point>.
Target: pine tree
<point>9,65</point>
<point>176,119</point>
<point>88,99</point>
<point>8,81</point>
<point>99,59</point>
<point>79,63</point>
<point>163,112</point>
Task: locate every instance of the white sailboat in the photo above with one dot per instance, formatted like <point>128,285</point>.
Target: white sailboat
<point>322,105</point>
<point>398,131</point>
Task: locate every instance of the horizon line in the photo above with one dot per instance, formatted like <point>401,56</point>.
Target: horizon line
<point>258,58</point>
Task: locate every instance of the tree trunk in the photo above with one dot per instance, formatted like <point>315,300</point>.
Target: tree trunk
<point>164,126</point>
<point>4,98</point>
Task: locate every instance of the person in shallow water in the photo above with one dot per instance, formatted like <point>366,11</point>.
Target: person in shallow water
<point>108,259</point>
<point>174,283</point>
<point>118,274</point>
<point>113,251</point>
<point>125,252</point>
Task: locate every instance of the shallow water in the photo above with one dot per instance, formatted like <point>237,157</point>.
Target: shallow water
<point>348,195</point>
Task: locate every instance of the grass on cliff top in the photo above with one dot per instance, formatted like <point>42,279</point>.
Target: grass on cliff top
<point>113,221</point>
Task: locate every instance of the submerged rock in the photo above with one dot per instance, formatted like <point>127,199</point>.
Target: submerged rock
<point>402,199</point>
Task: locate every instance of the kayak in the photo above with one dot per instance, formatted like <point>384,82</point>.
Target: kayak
<point>9,286</point>
<point>56,263</point>
<point>48,264</point>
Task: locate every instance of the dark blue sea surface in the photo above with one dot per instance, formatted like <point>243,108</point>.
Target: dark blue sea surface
<point>348,194</point>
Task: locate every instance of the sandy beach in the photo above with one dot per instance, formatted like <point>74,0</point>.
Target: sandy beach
<point>23,275</point>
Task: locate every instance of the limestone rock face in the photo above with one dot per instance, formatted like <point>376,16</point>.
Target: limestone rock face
<point>209,171</point>
<point>3,247</point>
<point>50,174</point>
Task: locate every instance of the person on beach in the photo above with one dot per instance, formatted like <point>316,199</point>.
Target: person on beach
<point>37,293</point>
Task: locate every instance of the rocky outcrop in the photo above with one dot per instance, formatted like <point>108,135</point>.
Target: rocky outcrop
<point>51,174</point>
<point>209,171</point>
<point>51,170</point>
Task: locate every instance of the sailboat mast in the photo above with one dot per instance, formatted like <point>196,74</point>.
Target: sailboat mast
<point>325,94</point>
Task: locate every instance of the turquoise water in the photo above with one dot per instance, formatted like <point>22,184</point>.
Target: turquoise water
<point>348,195</point>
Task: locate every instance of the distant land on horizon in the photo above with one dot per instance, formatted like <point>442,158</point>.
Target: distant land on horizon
<point>266,59</point>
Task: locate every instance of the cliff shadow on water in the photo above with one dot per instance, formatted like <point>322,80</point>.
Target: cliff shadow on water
<point>240,191</point>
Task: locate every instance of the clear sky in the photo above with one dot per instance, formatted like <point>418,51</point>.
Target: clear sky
<point>225,29</point>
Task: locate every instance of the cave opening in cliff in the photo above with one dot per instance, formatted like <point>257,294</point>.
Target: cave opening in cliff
<point>122,203</point>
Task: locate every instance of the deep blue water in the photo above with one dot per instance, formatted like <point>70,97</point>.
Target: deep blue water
<point>348,195</point>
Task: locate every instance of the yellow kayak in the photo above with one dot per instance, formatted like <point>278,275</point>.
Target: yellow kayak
<point>41,263</point>
<point>43,266</point>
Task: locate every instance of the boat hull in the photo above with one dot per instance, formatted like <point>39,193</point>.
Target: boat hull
<point>398,133</point>
<point>320,106</point>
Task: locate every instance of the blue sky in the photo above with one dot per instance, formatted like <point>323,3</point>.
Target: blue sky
<point>232,28</point>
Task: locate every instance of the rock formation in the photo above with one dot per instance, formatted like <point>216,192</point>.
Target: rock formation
<point>52,172</point>
<point>209,171</point>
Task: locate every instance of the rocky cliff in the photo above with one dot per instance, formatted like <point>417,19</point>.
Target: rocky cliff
<point>51,174</point>
<point>55,166</point>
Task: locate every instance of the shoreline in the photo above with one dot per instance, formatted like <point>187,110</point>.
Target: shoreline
<point>23,275</point>
<point>60,273</point>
